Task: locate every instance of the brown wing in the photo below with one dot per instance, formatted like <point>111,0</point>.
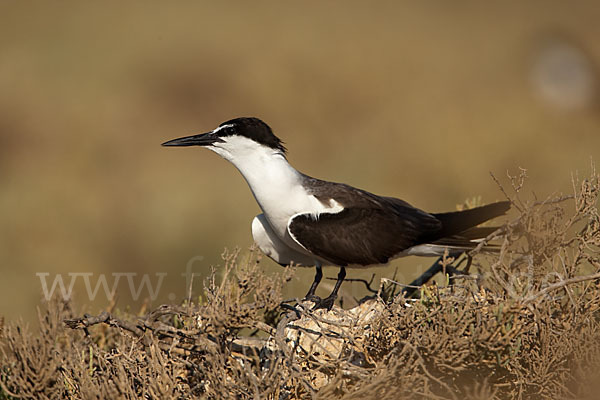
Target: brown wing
<point>373,229</point>
<point>362,236</point>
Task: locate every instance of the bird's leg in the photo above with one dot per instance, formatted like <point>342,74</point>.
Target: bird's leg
<point>311,292</point>
<point>329,300</point>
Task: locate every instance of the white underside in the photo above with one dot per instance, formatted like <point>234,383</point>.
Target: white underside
<point>426,250</point>
<point>270,244</point>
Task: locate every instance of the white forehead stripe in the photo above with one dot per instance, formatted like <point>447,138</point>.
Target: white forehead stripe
<point>222,127</point>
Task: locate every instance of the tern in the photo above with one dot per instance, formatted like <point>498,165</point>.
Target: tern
<point>311,222</point>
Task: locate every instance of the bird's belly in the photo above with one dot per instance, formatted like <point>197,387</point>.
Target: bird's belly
<point>270,244</point>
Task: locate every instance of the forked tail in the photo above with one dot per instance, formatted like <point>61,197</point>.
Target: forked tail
<point>459,228</point>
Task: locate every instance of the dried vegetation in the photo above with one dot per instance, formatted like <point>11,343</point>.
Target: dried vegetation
<point>523,323</point>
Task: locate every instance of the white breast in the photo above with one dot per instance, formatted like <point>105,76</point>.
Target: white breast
<point>270,244</point>
<point>275,184</point>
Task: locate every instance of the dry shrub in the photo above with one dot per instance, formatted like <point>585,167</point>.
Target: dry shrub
<point>522,323</point>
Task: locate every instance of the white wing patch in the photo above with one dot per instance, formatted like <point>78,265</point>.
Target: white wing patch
<point>333,208</point>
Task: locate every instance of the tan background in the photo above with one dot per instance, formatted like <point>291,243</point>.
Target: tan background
<point>419,100</point>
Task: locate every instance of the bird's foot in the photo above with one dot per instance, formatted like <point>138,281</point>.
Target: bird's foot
<point>287,304</point>
<point>311,297</point>
<point>326,303</point>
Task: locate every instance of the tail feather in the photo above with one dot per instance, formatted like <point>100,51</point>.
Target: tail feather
<point>460,232</point>
<point>478,232</point>
<point>469,239</point>
<point>457,222</point>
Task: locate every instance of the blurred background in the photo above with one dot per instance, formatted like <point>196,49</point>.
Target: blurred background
<point>418,100</point>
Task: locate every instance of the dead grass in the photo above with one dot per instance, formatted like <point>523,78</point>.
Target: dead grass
<point>522,324</point>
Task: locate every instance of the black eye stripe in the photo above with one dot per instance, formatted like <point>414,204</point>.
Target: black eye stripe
<point>229,131</point>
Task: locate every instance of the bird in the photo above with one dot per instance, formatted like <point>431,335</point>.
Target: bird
<point>307,221</point>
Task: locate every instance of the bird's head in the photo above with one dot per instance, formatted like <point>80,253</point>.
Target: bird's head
<point>235,139</point>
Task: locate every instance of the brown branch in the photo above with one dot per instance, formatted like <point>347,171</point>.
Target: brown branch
<point>104,318</point>
<point>266,328</point>
<point>561,284</point>
<point>498,233</point>
<point>555,200</point>
<point>504,192</point>
<point>363,281</point>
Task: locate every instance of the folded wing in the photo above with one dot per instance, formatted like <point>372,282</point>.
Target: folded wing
<point>362,235</point>
<point>377,229</point>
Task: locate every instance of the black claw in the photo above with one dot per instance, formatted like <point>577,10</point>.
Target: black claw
<point>326,303</point>
<point>320,303</point>
<point>311,297</point>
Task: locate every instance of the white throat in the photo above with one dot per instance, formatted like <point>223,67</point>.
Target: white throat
<point>275,184</point>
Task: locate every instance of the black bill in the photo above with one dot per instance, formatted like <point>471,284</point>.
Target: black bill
<point>204,139</point>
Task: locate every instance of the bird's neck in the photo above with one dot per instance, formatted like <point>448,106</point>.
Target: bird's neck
<point>276,185</point>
